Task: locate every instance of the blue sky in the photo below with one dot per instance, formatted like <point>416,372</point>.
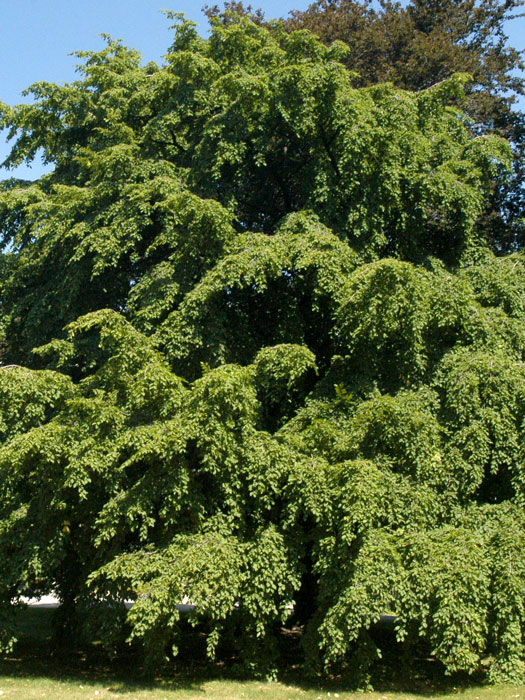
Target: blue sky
<point>37,37</point>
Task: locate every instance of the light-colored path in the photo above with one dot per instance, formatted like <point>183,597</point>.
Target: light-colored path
<point>46,601</point>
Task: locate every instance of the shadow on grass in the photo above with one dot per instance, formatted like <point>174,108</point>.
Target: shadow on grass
<point>394,673</point>
<point>122,673</point>
<point>90,663</point>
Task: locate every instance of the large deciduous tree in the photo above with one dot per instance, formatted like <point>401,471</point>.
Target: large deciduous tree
<point>256,351</point>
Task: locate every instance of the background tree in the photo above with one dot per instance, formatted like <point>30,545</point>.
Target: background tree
<point>267,356</point>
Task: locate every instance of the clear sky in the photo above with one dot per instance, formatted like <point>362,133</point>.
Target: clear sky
<point>37,37</point>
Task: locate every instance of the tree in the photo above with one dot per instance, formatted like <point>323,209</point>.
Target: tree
<point>420,43</point>
<point>291,369</point>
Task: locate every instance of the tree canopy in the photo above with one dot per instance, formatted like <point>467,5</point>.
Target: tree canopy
<point>417,44</point>
<point>256,352</point>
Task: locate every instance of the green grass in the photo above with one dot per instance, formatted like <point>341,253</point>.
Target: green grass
<point>32,672</point>
<point>26,687</point>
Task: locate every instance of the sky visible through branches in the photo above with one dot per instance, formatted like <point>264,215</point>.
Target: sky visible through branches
<point>40,36</point>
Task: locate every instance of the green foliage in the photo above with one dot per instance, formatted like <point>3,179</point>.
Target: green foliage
<point>269,368</point>
<point>420,43</point>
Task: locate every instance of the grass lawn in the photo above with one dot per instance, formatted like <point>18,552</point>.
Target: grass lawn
<point>69,689</point>
<point>33,673</point>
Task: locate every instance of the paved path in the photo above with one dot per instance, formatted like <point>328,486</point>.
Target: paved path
<point>46,601</point>
<point>50,601</point>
